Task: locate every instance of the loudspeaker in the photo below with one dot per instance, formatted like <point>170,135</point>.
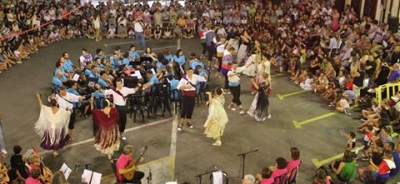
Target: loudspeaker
<point>394,24</point>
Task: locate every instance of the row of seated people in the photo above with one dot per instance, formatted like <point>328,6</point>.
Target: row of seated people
<point>100,74</point>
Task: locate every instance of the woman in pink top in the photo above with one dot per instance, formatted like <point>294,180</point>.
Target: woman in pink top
<point>34,177</point>
<point>265,177</point>
<point>280,168</point>
<point>293,163</point>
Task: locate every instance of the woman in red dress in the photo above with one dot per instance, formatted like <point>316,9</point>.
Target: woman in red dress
<point>107,134</point>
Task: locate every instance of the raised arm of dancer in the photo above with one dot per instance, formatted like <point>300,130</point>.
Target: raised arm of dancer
<point>38,97</point>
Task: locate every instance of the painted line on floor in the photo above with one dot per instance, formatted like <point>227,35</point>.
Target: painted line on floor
<point>127,130</point>
<point>282,97</point>
<point>277,75</point>
<point>301,123</point>
<point>130,42</point>
<point>318,163</point>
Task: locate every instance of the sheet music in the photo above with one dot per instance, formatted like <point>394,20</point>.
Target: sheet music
<point>75,77</point>
<point>153,71</point>
<point>91,177</point>
<point>28,153</point>
<point>137,74</point>
<point>66,170</point>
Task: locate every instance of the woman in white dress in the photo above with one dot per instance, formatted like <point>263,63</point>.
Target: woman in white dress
<point>217,117</point>
<point>52,126</point>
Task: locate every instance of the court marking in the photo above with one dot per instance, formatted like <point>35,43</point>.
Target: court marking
<point>127,130</point>
<point>127,43</point>
<point>318,163</point>
<point>277,75</point>
<point>301,123</point>
<point>282,97</point>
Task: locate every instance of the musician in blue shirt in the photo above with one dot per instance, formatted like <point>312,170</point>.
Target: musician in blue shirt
<point>68,65</point>
<point>82,106</point>
<point>99,64</point>
<point>179,57</point>
<point>194,62</point>
<point>175,95</point>
<point>167,55</point>
<point>103,80</point>
<point>133,53</point>
<point>115,61</point>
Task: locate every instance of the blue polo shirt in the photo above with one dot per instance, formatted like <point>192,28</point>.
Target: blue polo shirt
<point>133,55</point>
<point>153,80</point>
<point>56,82</point>
<point>90,74</point>
<point>194,64</point>
<point>180,59</point>
<point>68,66</point>
<point>64,78</point>
<point>174,85</point>
<point>102,83</point>
<point>114,63</point>
<point>168,57</point>
<point>98,94</point>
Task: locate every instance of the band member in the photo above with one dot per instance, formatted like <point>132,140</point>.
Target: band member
<point>66,101</point>
<point>126,164</point>
<point>52,125</point>
<point>107,135</point>
<point>120,94</point>
<point>234,85</point>
<point>187,85</point>
<point>217,117</point>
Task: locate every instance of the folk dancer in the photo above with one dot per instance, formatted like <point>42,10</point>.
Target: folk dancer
<point>52,125</point>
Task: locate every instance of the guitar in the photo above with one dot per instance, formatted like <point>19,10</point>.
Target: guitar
<point>4,179</point>
<point>130,175</point>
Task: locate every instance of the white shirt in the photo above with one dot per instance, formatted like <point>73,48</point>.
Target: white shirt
<point>117,98</point>
<point>185,81</point>
<point>235,78</point>
<point>138,27</point>
<point>66,102</point>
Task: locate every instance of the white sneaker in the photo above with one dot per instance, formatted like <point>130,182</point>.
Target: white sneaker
<point>123,138</point>
<point>4,151</point>
<point>242,112</point>
<point>250,114</point>
<point>258,119</point>
<point>179,128</point>
<point>269,116</point>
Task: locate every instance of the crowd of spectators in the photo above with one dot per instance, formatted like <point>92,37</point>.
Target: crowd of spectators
<point>335,54</point>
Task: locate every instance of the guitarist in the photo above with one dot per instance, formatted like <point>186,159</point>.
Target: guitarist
<point>126,164</point>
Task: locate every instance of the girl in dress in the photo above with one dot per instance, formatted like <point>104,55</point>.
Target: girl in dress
<point>52,126</point>
<point>107,135</point>
<point>260,106</point>
<point>217,117</point>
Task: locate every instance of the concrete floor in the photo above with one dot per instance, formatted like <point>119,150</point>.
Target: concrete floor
<point>181,156</point>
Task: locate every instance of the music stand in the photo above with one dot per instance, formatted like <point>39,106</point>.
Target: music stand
<point>130,82</point>
<point>92,82</point>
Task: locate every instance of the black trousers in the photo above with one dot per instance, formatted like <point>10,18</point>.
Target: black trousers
<point>72,119</point>
<point>219,63</point>
<point>136,178</point>
<point>211,52</point>
<point>225,74</point>
<point>122,117</point>
<point>204,46</point>
<point>235,91</point>
<point>188,103</point>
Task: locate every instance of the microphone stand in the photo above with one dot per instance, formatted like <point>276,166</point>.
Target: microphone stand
<point>243,160</point>
<point>149,178</point>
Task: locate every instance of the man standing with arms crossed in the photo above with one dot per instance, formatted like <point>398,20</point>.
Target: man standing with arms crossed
<point>120,94</point>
